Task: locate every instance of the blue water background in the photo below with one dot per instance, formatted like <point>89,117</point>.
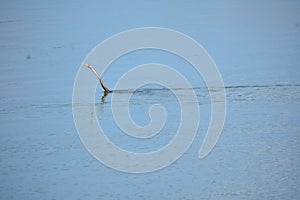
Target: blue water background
<point>255,45</point>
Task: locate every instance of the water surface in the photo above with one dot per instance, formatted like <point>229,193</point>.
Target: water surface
<point>256,48</point>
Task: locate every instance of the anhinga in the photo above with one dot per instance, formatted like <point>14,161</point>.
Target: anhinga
<point>106,90</point>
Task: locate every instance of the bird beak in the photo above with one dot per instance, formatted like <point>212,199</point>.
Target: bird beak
<point>86,65</point>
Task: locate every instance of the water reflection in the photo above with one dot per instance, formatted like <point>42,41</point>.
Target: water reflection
<point>103,98</point>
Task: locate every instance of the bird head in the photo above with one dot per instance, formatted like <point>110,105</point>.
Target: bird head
<point>86,65</point>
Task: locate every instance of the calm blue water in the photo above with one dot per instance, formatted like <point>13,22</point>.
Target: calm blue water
<point>256,48</point>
